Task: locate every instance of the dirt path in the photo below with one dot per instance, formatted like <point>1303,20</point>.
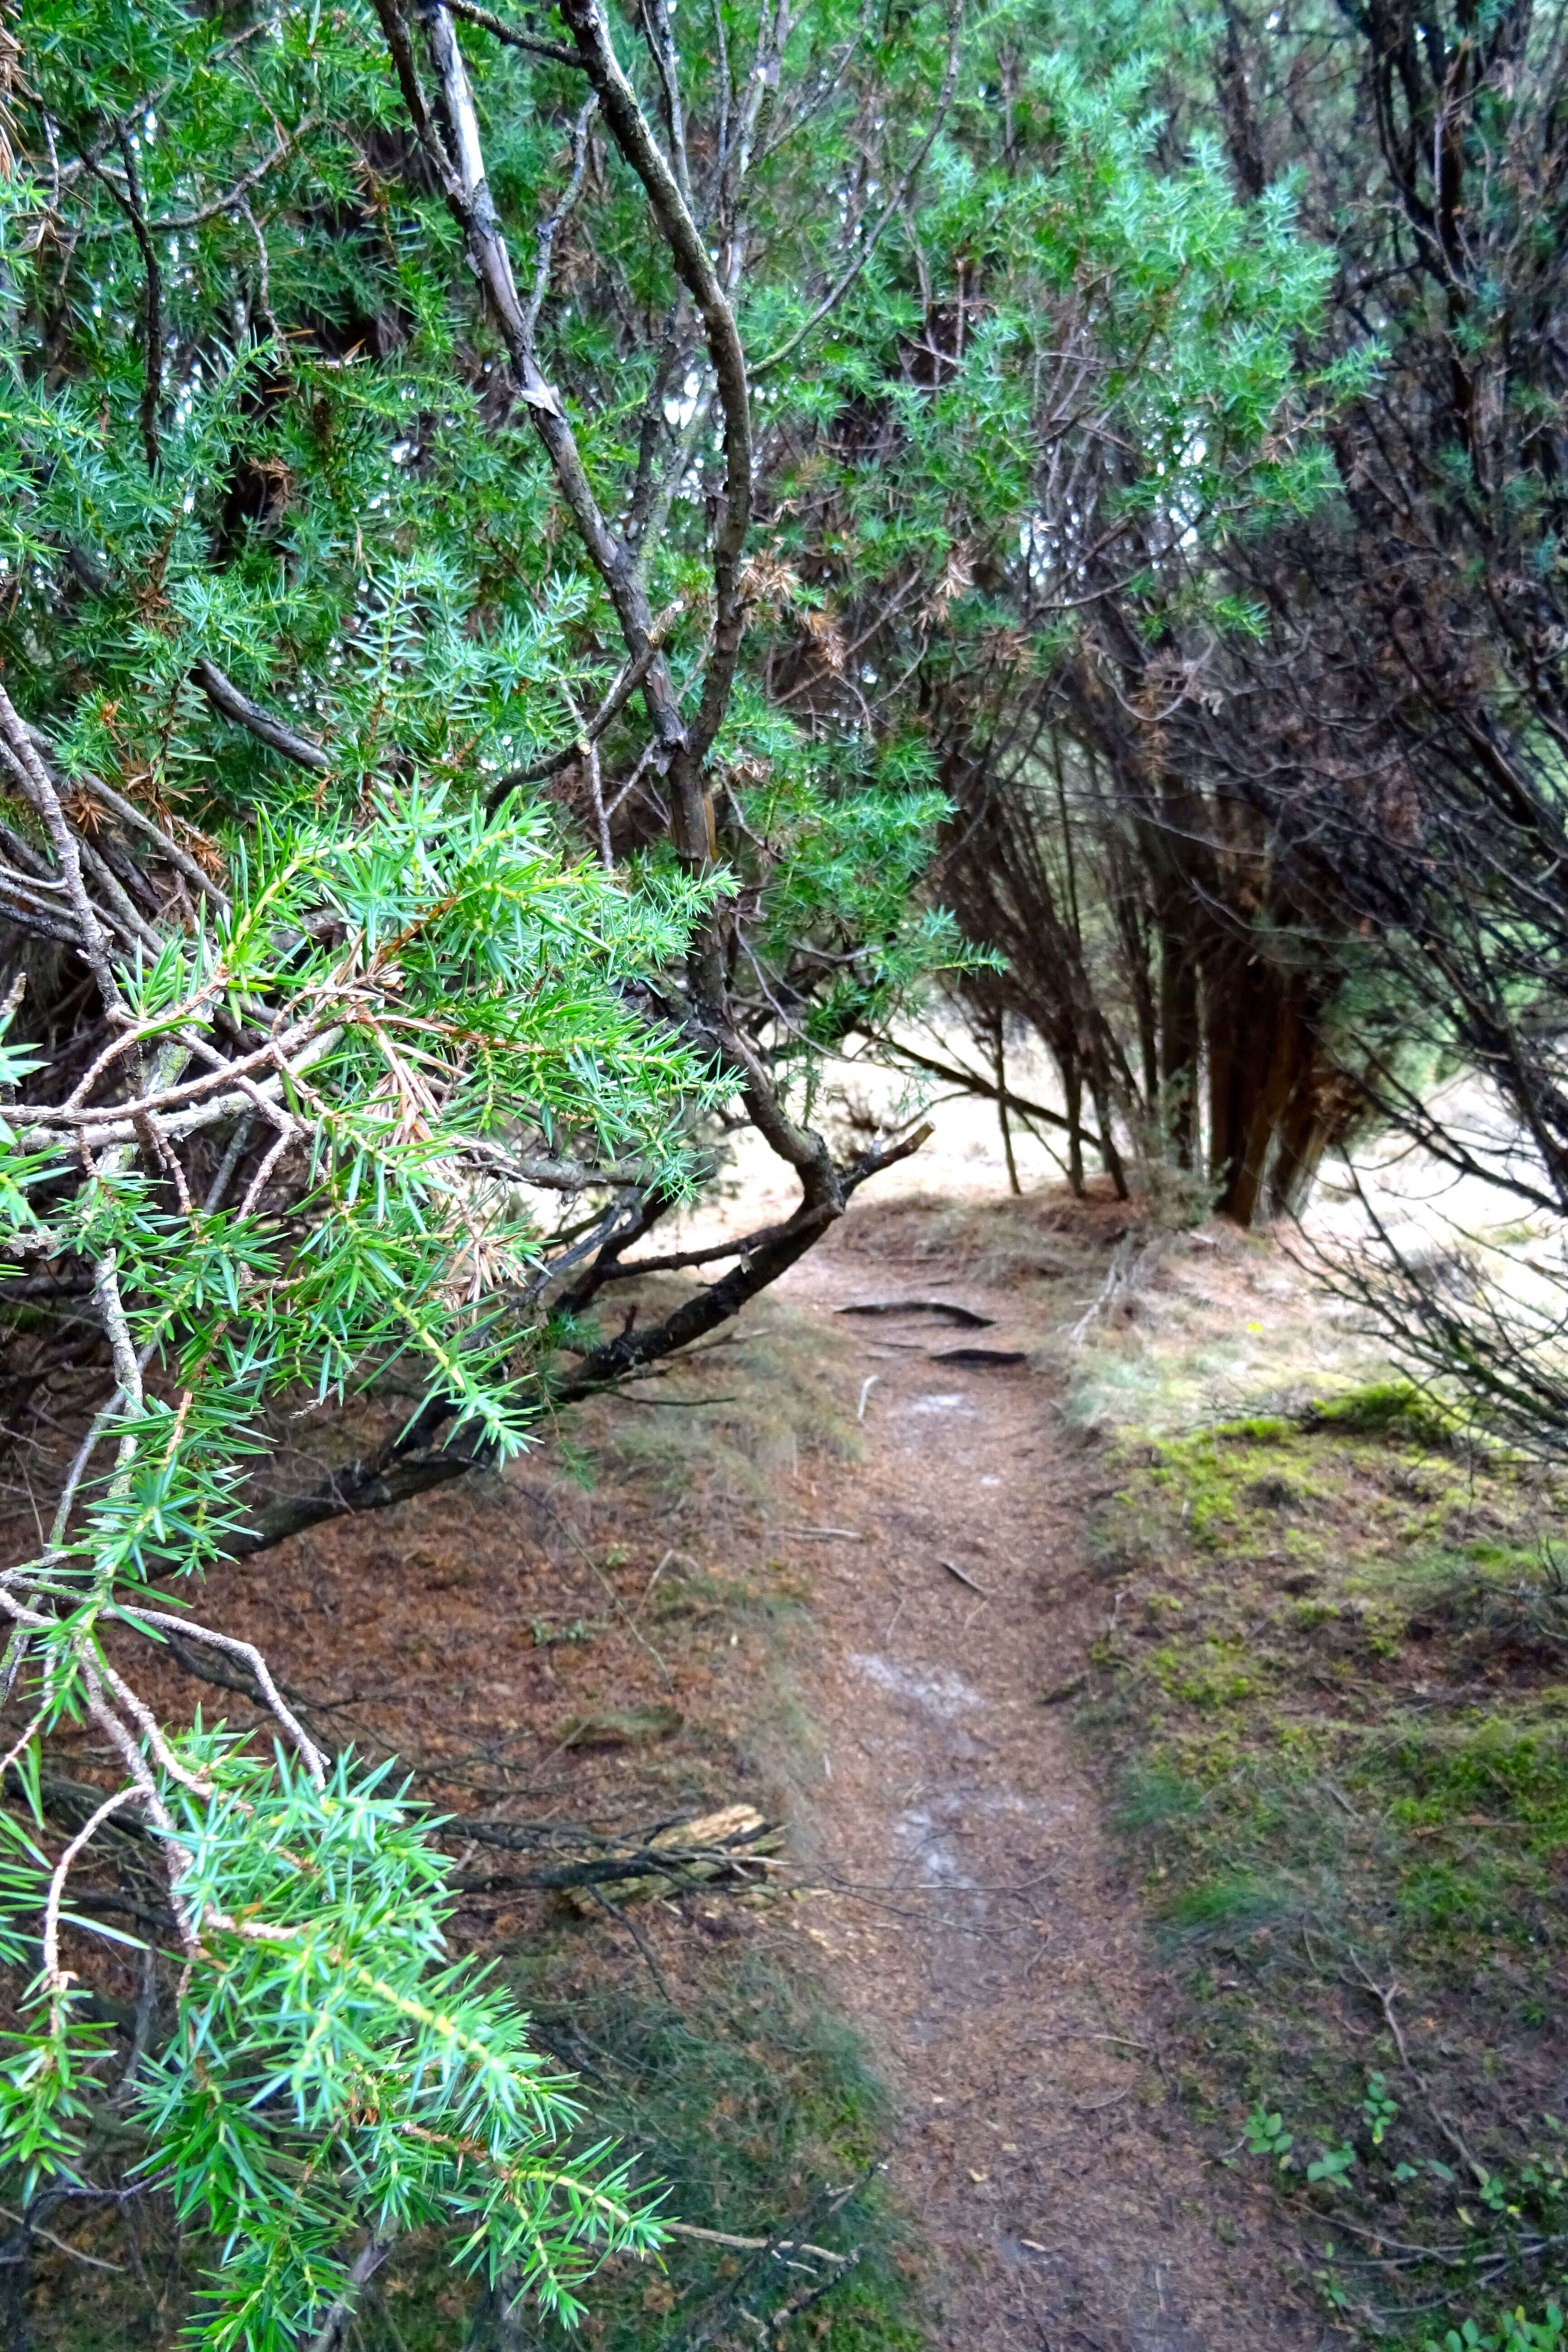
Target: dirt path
<point>979,1936</point>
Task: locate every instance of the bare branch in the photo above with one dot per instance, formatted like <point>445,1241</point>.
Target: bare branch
<point>226,697</point>
<point>373,1485</point>
<point>18,756</point>
<point>314,1762</point>
<point>152,366</point>
<point>689,253</point>
<point>719,1301</point>
<point>891,210</point>
<point>58,1977</point>
<point>367,2264</point>
<point>550,228</point>
<point>462,177</point>
<point>131,814</point>
<point>233,201</point>
<point>655,26</point>
<point>512,34</point>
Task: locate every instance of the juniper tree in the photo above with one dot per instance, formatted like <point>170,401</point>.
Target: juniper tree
<point>1108,376</point>
<point>1269,828</point>
<point>355,917</point>
<point>1351,813</point>
<point>502,515</point>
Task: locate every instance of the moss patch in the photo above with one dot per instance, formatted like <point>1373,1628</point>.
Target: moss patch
<point>1333,1680</point>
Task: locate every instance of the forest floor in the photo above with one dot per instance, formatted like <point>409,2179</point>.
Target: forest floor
<point>837,1566</point>
<point>978,1927</point>
<point>933,1587</point>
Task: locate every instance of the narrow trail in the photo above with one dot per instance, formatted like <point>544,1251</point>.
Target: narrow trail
<point>978,1931</point>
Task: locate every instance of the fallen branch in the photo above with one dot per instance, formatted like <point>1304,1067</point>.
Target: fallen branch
<point>964,1316</point>
<point>822,1535</point>
<point>1122,1266</point>
<point>688,1854</point>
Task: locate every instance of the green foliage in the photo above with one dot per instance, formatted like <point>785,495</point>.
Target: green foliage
<point>330,2066</point>
<point>1504,2222</point>
<point>1392,1409</point>
<point>1378,2108</point>
<point>337,2064</point>
<point>1185,309</point>
<point>1267,2135</point>
<point>1519,2334</point>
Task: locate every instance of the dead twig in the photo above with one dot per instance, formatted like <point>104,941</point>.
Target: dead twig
<point>785,2248</point>
<point>822,1535</point>
<point>638,1939</point>
<point>1386,1996</point>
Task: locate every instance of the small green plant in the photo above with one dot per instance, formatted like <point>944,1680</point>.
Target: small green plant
<point>1267,2135</point>
<point>1379,2109</point>
<point>1508,2217</point>
<point>1328,2284</point>
<point>547,1636</point>
<point>1518,2335</point>
<point>1389,1409</point>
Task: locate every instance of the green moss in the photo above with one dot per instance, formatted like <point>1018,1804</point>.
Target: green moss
<point>1335,1699</point>
<point>1389,1409</point>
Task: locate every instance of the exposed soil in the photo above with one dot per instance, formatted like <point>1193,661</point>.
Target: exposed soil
<point>982,1936</point>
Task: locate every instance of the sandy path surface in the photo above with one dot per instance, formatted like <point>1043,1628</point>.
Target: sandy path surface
<point>979,1934</point>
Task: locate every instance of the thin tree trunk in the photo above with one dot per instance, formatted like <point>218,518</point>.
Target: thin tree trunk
<point>1303,1138</point>
<point>496,2322</point>
<point>1292,1184</point>
<point>1179,1037</point>
<point>334,2328</point>
<point>1148,1035</point>
<point>1072,1091</point>
<point>1002,1108</point>
<point>1221,1040</point>
<point>16,2278</point>
<point>1114,1168</point>
<point>1275,1063</point>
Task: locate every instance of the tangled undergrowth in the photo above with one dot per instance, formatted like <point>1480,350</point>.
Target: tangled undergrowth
<point>1334,1678</point>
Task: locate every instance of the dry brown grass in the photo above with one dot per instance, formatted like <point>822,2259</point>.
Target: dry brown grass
<point>1043,1237</point>
<point>725,1424</point>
